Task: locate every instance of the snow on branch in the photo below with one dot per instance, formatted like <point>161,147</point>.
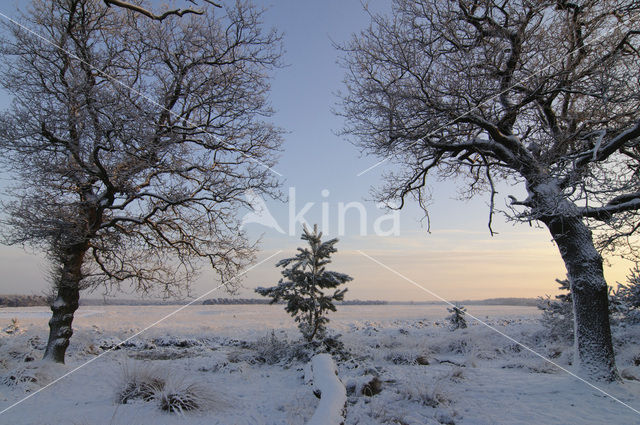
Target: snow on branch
<point>622,203</point>
<point>612,146</point>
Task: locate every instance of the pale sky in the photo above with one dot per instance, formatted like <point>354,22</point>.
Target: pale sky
<point>458,260</point>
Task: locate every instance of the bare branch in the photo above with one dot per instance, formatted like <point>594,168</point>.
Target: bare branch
<point>621,203</point>
<point>146,12</point>
<point>612,146</point>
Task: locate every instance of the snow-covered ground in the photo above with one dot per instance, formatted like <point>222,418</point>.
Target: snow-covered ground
<point>402,365</point>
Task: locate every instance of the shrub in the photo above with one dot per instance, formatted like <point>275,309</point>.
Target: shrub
<point>180,396</point>
<point>175,395</point>
<point>271,349</point>
<point>141,383</point>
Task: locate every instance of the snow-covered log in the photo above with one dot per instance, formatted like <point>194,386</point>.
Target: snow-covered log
<point>332,407</point>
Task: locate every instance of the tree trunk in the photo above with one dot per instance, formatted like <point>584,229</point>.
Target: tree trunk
<point>592,332</point>
<point>65,305</point>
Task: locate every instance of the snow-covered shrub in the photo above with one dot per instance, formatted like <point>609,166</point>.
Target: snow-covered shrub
<point>31,376</point>
<point>160,354</point>
<point>331,344</point>
<point>177,395</point>
<point>13,328</point>
<point>625,339</point>
<point>426,394</point>
<point>271,349</point>
<point>629,293</point>
<point>372,387</point>
<point>367,385</point>
<point>456,374</point>
<point>304,281</point>
<point>626,299</point>
<point>180,396</point>
<point>457,319</point>
<point>172,341</point>
<point>631,316</point>
<point>401,357</point>
<point>18,348</point>
<point>557,315</point>
<point>141,382</point>
<point>19,376</point>
<point>382,413</point>
<point>463,345</point>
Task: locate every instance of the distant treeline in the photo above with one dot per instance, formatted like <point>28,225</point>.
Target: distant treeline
<point>39,300</point>
<point>525,302</point>
<point>217,301</point>
<point>116,301</point>
<point>23,300</point>
<point>521,302</point>
<point>363,302</point>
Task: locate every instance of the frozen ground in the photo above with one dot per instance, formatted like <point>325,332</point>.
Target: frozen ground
<point>244,358</point>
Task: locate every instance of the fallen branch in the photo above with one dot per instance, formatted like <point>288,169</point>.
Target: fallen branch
<point>450,362</point>
<point>333,396</point>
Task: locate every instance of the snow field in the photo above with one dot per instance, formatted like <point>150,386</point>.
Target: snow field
<point>402,366</point>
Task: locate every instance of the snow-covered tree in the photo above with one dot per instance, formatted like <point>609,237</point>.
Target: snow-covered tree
<point>538,95</point>
<point>627,297</point>
<point>457,319</point>
<point>304,282</point>
<point>557,315</point>
<point>629,293</point>
<point>131,142</point>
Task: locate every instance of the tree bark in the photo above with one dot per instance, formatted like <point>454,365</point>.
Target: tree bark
<point>65,304</point>
<point>592,332</point>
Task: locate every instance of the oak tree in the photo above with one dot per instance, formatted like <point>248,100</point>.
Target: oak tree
<point>543,95</point>
<point>132,142</point>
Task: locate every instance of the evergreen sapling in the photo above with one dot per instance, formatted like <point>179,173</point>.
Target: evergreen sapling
<point>557,315</point>
<point>626,300</point>
<point>303,284</point>
<point>457,319</point>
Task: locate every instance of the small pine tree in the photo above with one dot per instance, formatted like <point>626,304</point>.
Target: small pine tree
<point>627,298</point>
<point>303,282</point>
<point>457,319</point>
<point>557,315</point>
<point>629,293</point>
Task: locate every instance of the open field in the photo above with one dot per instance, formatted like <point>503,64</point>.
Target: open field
<point>249,362</point>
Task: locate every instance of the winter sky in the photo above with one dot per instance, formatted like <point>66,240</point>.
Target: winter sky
<point>459,259</point>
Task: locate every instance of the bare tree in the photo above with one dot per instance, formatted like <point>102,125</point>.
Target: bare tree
<point>540,94</point>
<point>132,142</point>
